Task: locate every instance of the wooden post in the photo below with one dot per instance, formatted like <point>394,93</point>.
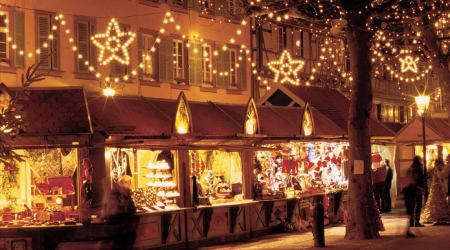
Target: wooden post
<point>184,180</point>
<point>247,173</point>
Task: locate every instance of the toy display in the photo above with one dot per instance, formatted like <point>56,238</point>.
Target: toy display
<point>219,175</point>
<point>299,168</point>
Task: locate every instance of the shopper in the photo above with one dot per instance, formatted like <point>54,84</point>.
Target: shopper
<point>387,188</point>
<point>413,191</point>
<point>378,180</point>
<point>121,212</point>
<point>436,209</point>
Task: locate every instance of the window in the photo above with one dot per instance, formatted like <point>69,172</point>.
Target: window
<point>49,56</point>
<point>206,64</point>
<point>85,30</point>
<point>233,69</point>
<point>379,114</point>
<point>178,3</point>
<point>4,50</point>
<point>147,56</point>
<point>206,6</point>
<point>178,59</point>
<point>232,7</point>
<point>402,114</point>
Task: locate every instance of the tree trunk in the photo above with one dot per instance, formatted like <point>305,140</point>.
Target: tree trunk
<point>362,212</point>
<point>439,61</point>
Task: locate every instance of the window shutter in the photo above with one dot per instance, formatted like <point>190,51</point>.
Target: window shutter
<point>222,66</point>
<point>218,7</point>
<point>193,5</point>
<point>195,64</point>
<point>140,43</point>
<point>43,32</point>
<point>19,38</point>
<point>166,68</point>
<point>55,46</point>
<point>83,45</point>
<point>243,72</point>
<point>226,68</point>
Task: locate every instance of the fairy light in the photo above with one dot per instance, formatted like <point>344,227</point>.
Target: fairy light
<point>287,68</point>
<point>113,44</point>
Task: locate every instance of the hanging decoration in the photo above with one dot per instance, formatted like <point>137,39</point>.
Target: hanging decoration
<point>307,123</point>
<point>116,43</point>
<point>408,63</point>
<point>287,68</point>
<point>251,119</point>
<point>182,117</point>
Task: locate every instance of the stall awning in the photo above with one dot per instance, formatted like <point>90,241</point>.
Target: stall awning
<point>54,116</point>
<point>436,130</point>
<point>330,102</point>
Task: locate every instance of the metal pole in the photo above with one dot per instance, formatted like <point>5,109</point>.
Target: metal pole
<point>424,147</point>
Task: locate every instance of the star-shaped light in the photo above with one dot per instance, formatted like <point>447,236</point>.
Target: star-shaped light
<point>408,63</point>
<point>287,68</point>
<point>116,42</point>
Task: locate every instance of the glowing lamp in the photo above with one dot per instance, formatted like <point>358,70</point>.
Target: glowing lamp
<point>109,92</point>
<point>59,201</point>
<point>422,103</point>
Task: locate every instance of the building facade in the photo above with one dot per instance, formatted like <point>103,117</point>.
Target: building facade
<point>189,46</point>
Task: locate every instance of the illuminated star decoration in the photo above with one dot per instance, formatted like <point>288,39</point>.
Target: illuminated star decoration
<point>116,43</point>
<point>408,63</point>
<point>287,68</point>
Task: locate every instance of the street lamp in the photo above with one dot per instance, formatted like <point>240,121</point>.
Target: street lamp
<point>422,102</point>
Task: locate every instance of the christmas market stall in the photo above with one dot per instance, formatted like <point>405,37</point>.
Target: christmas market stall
<point>42,191</point>
<point>410,143</point>
<point>292,173</point>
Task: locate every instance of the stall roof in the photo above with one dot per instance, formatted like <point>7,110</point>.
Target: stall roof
<point>330,102</point>
<point>132,115</point>
<point>55,111</point>
<point>436,130</point>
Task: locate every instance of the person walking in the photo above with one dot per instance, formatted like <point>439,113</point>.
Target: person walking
<point>378,180</point>
<point>387,188</point>
<point>413,191</point>
<point>437,209</point>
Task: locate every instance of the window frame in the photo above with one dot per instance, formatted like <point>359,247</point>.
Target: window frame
<point>205,64</point>
<point>177,60</point>
<point>154,55</point>
<point>7,29</point>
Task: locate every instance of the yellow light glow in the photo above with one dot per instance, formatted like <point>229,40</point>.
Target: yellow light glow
<point>182,119</point>
<point>408,63</point>
<point>422,103</point>
<point>58,201</point>
<point>109,92</point>
<point>287,68</point>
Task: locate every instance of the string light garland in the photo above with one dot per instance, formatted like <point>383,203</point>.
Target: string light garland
<point>115,42</point>
<point>287,68</point>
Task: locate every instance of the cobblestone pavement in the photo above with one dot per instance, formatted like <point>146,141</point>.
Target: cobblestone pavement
<point>428,238</point>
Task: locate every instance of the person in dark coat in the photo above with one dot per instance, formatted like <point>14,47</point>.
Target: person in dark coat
<point>387,188</point>
<point>413,191</point>
<point>121,212</point>
<point>378,180</point>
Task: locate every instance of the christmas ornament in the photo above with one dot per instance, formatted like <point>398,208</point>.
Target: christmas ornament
<point>115,43</point>
<point>408,63</point>
<point>287,68</point>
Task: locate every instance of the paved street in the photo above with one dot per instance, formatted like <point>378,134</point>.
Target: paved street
<point>429,238</point>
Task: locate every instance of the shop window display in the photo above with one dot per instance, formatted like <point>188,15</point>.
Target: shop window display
<point>218,176</point>
<point>42,189</point>
<point>153,175</point>
<point>298,169</point>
